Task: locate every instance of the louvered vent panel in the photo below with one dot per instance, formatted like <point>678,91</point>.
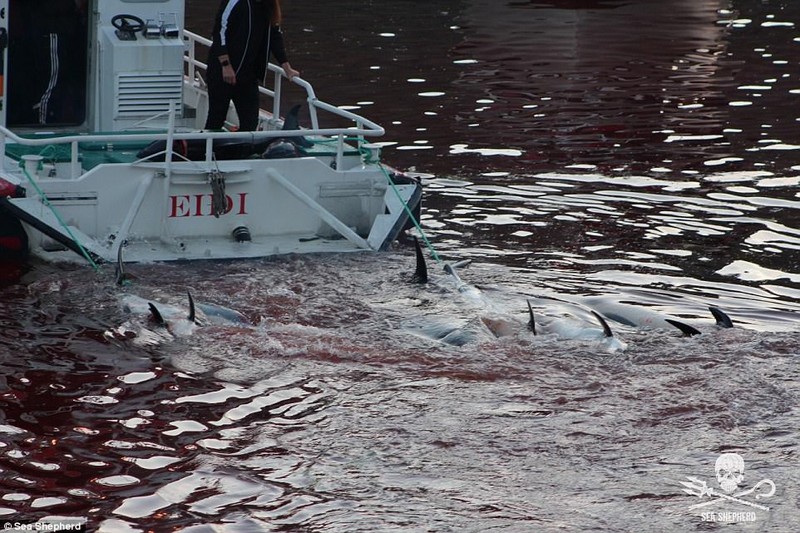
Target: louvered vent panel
<point>144,95</point>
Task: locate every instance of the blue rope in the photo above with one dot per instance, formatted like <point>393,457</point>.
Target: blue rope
<point>368,159</point>
<point>46,202</point>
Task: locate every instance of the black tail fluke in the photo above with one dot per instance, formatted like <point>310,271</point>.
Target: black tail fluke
<point>421,272</point>
<point>723,320</point>
<point>292,122</point>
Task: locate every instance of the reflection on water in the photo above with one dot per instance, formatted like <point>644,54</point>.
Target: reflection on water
<point>655,86</point>
<point>570,87</point>
<point>703,227</point>
<point>586,151</point>
<point>698,96</point>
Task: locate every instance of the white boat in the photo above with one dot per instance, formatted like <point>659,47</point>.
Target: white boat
<point>114,154</point>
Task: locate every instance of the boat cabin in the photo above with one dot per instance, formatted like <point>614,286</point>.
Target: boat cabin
<point>90,65</point>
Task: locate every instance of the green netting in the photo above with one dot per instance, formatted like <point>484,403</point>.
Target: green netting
<point>90,154</point>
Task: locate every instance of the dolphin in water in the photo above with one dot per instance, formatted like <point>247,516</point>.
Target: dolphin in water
<point>471,292</point>
<point>493,324</point>
<point>453,331</point>
<point>153,323</point>
<point>216,313</point>
<point>220,315</point>
<point>449,331</point>
<point>644,318</point>
<point>490,322</point>
<point>567,326</point>
<point>174,317</point>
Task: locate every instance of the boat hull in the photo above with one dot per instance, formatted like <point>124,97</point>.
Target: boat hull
<point>258,208</point>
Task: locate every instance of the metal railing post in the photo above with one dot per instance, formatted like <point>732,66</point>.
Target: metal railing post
<point>192,56</point>
<point>276,96</point>
<point>339,151</point>
<point>74,161</point>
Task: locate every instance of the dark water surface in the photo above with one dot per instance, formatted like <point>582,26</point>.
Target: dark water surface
<point>596,151</point>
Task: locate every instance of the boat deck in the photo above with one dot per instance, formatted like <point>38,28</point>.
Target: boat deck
<point>118,149</point>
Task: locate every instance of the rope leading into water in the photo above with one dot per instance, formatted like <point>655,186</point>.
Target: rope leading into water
<point>46,202</point>
<point>367,155</point>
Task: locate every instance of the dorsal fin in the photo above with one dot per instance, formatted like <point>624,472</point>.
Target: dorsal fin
<point>421,272</point>
<point>606,328</point>
<point>723,320</point>
<point>192,315</point>
<point>531,321</point>
<point>156,314</point>
<point>686,329</point>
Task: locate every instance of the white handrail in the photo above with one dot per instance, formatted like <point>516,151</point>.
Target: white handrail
<point>314,103</point>
<point>178,136</point>
<point>253,136</point>
<point>362,126</point>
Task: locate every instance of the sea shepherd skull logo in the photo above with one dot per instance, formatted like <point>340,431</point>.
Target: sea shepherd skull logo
<point>730,474</point>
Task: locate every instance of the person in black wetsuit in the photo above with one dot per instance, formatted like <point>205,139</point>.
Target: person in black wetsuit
<point>246,32</point>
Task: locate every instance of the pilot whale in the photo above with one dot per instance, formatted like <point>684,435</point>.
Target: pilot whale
<point>471,292</point>
<point>567,326</point>
<point>641,317</point>
<point>576,319</point>
<point>494,322</point>
<point>450,331</point>
<point>214,313</point>
<point>152,323</point>
<point>456,331</point>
